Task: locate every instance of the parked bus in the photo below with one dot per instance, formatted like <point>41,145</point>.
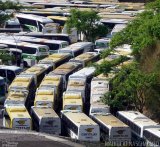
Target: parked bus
<point>98,108</point>
<point>86,74</point>
<point>152,136</point>
<point>38,72</point>
<point>65,70</point>
<point>2,90</point>
<point>59,19</point>
<point>102,44</point>
<point>137,122</point>
<point>98,88</point>
<point>79,126</point>
<point>31,53</point>
<point>16,98</point>
<point>46,120</point>
<point>86,58</point>
<point>27,83</point>
<point>72,101</point>
<point>17,118</point>
<point>51,36</point>
<point>112,129</point>
<point>45,97</point>
<point>77,85</point>
<point>9,72</point>
<point>54,45</point>
<point>36,23</point>
<point>78,48</point>
<point>56,59</point>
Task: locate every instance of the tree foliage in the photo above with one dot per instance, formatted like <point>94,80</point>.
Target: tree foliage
<point>4,5</point>
<point>86,22</point>
<point>142,32</point>
<point>131,89</point>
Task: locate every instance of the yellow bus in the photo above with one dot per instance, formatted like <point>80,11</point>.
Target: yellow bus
<point>45,97</point>
<point>17,118</point>
<point>53,82</point>
<point>72,101</point>
<point>65,70</point>
<point>46,120</point>
<point>86,58</point>
<point>38,72</point>
<point>56,59</point>
<point>16,97</point>
<point>21,83</point>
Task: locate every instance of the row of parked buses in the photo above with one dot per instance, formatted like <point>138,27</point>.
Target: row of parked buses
<point>38,94</point>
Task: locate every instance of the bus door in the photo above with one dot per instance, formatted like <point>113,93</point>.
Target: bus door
<point>17,56</point>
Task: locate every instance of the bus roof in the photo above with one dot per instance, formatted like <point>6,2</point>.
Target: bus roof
<point>21,43</point>
<point>79,118</point>
<point>86,56</point>
<point>34,70</point>
<point>34,39</point>
<point>62,18</point>
<point>34,17</point>
<point>17,96</point>
<point>13,68</point>
<point>84,72</point>
<point>39,34</point>
<point>44,112</point>
<point>17,112</point>
<point>138,118</point>
<point>110,120</point>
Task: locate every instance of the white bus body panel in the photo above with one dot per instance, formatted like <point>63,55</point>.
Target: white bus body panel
<point>89,133</point>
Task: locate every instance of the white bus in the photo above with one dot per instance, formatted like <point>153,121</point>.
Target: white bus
<point>112,129</point>
<point>57,36</point>
<point>98,108</point>
<point>86,74</point>
<point>79,126</point>
<point>86,58</point>
<point>17,117</point>
<point>78,48</point>
<point>45,120</point>
<point>98,88</point>
<point>72,101</point>
<point>31,53</point>
<point>137,122</point>
<point>54,45</point>
<point>9,72</point>
<point>152,136</point>
<point>33,22</point>
<point>102,44</point>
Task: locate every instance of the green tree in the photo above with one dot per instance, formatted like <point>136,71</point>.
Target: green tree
<point>86,22</point>
<point>131,88</point>
<point>8,5</point>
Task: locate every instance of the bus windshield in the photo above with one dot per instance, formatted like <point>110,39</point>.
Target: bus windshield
<point>101,45</point>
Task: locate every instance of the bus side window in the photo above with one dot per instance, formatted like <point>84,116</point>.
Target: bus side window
<point>10,75</point>
<point>2,73</point>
